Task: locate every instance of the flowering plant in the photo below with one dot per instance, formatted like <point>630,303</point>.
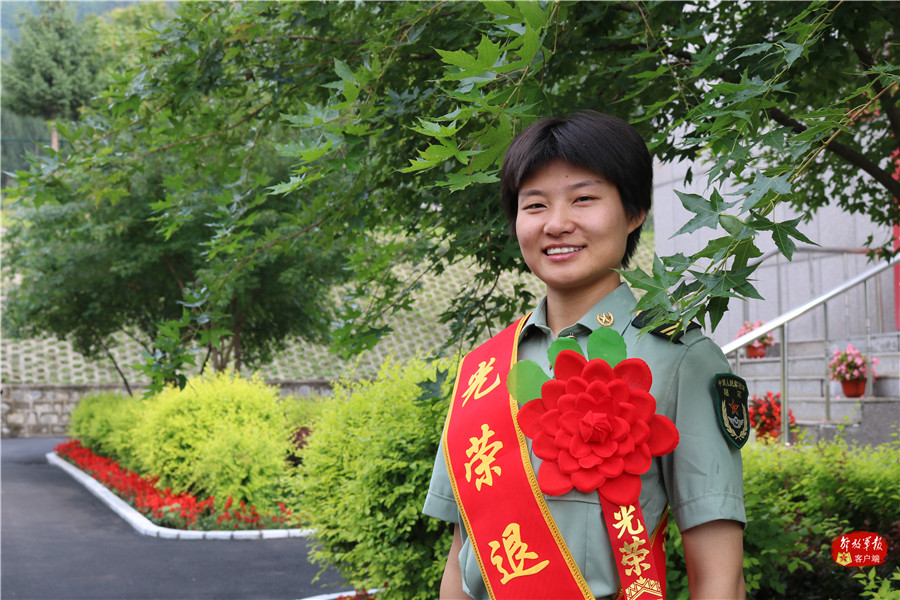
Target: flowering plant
<point>763,342</point>
<point>164,507</point>
<point>765,416</point>
<point>850,365</point>
<point>595,426</point>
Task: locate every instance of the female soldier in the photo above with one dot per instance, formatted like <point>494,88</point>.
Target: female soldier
<point>576,192</point>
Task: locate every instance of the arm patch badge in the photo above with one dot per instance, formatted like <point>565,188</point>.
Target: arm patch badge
<point>731,408</point>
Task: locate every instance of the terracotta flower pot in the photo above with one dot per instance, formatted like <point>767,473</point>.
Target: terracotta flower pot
<point>853,388</point>
<point>756,352</point>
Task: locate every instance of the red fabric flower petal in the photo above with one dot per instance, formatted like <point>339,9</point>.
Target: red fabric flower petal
<point>568,464</point>
<point>553,481</point>
<point>644,402</point>
<point>567,402</point>
<point>562,438</point>
<point>627,445</point>
<point>663,436</point>
<point>568,364</point>
<point>605,449</point>
<point>576,385</point>
<point>529,416</point>
<point>598,370</point>
<point>551,391</point>
<point>640,432</point>
<point>587,480</point>
<point>638,462</point>
<point>623,490</point>
<point>544,447</point>
<point>636,372</point>
<point>620,428</point>
<point>590,460</point>
<point>611,467</point>
<point>585,402</point>
<point>570,421</point>
<point>549,421</point>
<point>618,389</point>
<point>578,448</point>
<point>629,412</point>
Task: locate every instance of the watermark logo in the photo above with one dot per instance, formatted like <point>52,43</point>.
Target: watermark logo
<point>859,549</point>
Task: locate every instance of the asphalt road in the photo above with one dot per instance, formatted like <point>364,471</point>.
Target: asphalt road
<point>57,541</point>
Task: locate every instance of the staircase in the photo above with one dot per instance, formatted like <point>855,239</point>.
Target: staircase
<point>817,403</point>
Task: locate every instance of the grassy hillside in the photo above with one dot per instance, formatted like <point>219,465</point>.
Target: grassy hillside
<point>415,333</point>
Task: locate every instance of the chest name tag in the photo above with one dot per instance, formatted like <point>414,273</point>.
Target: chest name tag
<point>731,408</point>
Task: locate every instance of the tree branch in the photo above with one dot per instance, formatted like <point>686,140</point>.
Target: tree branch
<point>116,365</point>
<point>887,104</point>
<point>852,156</point>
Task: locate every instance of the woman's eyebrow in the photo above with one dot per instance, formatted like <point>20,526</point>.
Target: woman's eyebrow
<point>573,186</point>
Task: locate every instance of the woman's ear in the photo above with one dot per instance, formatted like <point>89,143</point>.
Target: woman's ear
<point>636,221</point>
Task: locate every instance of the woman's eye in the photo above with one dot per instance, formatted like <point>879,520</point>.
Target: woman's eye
<point>584,198</point>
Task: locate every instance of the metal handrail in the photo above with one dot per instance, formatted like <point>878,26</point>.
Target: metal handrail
<point>781,322</point>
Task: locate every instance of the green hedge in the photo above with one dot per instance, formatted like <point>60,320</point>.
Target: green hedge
<point>222,435</point>
<point>367,468</point>
<point>799,499</point>
<point>365,473</point>
<point>368,462</point>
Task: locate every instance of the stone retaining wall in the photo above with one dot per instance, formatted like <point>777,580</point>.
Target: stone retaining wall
<point>33,410</point>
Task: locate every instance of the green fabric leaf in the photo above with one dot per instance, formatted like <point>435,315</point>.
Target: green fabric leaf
<point>560,344</point>
<point>607,344</point>
<point>525,380</point>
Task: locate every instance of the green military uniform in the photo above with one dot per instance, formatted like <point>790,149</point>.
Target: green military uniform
<point>701,480</point>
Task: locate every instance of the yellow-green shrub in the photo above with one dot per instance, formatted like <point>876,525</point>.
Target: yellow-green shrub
<point>365,473</point>
<point>104,422</point>
<point>222,435</point>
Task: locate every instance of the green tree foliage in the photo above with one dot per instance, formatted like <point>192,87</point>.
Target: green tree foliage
<point>89,268</point>
<point>53,69</point>
<point>21,136</point>
<point>88,271</point>
<point>395,117</point>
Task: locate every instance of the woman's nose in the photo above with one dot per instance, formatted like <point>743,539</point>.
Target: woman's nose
<point>559,221</point>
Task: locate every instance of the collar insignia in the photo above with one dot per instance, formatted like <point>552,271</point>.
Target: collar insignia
<point>605,319</point>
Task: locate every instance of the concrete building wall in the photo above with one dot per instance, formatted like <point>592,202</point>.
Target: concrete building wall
<point>783,284</point>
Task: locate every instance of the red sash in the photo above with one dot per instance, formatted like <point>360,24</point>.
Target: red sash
<point>519,548</point>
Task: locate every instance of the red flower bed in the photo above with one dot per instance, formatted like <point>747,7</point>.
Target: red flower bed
<point>765,417</point>
<point>166,508</point>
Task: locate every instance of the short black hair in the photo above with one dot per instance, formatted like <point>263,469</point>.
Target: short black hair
<point>600,143</point>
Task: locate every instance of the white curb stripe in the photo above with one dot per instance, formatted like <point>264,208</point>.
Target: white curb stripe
<point>144,526</point>
<point>339,594</point>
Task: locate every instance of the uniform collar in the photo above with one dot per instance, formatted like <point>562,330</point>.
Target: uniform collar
<point>619,303</point>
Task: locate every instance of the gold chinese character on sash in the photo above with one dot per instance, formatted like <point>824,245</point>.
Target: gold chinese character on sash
<point>481,454</point>
<point>625,522</point>
<point>516,553</point>
<point>478,380</point>
<point>633,556</point>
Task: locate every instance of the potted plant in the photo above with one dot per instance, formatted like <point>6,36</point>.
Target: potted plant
<point>851,368</point>
<point>758,348</point>
<point>765,417</point>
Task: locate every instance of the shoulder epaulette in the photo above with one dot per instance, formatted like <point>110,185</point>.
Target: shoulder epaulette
<point>669,331</point>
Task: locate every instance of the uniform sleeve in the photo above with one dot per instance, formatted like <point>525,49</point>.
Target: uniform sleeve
<point>440,502</point>
<point>703,476</point>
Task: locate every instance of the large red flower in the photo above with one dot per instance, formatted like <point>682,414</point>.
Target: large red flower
<point>596,428</point>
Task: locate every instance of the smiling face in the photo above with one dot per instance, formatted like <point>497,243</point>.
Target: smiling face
<point>572,230</point>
